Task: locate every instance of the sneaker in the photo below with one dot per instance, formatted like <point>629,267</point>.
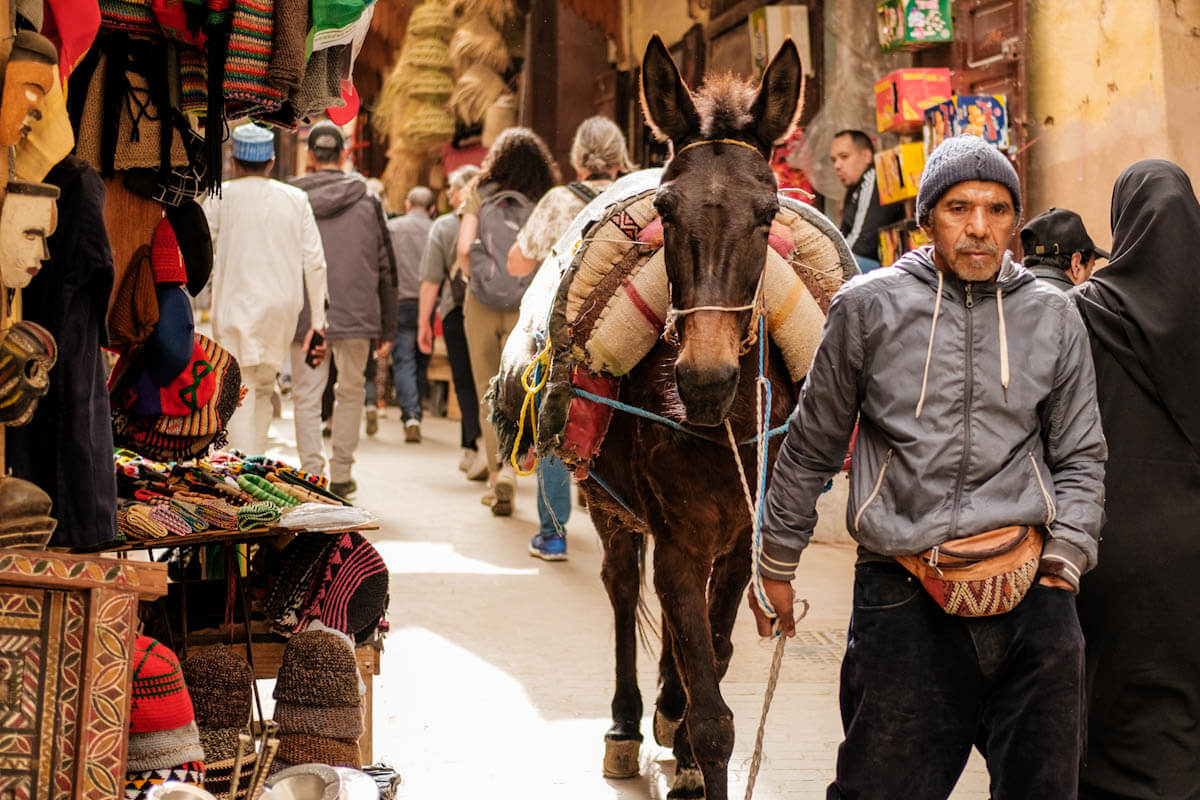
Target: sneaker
<point>548,548</point>
<point>344,490</point>
<point>372,422</point>
<point>504,491</point>
<point>326,430</point>
<point>467,461</point>
<point>478,470</point>
<point>412,430</point>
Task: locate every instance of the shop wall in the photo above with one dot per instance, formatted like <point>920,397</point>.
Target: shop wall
<point>1181,74</point>
<point>1102,96</point>
<point>670,19</point>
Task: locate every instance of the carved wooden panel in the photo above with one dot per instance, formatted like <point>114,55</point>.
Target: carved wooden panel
<point>67,627</point>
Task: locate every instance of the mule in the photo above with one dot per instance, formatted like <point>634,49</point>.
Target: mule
<point>717,199</point>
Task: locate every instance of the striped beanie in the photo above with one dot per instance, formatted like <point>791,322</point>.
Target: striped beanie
<point>248,60</point>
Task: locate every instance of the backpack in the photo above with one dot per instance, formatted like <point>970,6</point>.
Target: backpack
<point>501,215</point>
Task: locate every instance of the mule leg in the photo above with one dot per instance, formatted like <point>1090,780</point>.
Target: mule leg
<point>680,583</point>
<point>622,577</point>
<point>726,592</point>
<point>671,701</point>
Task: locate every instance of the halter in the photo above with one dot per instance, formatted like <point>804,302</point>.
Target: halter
<point>755,305</point>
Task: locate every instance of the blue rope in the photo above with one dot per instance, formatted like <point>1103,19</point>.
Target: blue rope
<point>766,605</point>
<point>611,493</point>
<point>637,412</point>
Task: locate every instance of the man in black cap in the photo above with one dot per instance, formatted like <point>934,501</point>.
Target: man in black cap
<point>1058,249</point>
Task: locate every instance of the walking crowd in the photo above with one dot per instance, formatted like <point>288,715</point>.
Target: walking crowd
<point>1025,437</point>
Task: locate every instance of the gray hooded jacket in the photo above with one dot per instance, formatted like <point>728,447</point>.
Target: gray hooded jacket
<point>361,267</point>
<point>976,405</point>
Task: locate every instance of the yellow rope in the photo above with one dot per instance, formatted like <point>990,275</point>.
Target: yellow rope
<point>527,407</point>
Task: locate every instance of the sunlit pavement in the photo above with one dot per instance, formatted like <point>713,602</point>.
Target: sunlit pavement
<point>498,670</point>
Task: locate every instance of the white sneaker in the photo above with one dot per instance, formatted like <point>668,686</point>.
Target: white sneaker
<point>468,458</point>
<point>478,470</point>
<point>412,430</point>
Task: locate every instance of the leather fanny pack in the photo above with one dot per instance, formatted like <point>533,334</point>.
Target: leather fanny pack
<point>980,575</point>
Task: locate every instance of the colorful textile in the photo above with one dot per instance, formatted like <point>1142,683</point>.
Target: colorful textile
<point>352,593</point>
<point>160,699</point>
<point>139,783</point>
<point>257,515</point>
<point>248,59</point>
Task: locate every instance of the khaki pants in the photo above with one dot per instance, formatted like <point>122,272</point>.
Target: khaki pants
<point>487,330</point>
<point>349,392</point>
<point>250,424</point>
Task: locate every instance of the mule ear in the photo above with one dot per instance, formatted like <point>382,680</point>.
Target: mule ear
<point>780,100</point>
<point>666,100</point>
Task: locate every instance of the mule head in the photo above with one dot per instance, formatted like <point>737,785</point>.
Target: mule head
<point>717,200</point>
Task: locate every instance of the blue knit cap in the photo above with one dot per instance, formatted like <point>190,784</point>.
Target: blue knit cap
<point>253,143</point>
<point>964,158</point>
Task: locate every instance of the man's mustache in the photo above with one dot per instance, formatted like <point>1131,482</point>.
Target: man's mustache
<point>976,246</point>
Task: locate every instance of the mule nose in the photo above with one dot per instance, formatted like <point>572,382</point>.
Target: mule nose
<point>707,391</point>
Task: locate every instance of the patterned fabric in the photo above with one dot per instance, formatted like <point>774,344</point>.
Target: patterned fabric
<point>303,556</point>
<point>246,88</point>
<point>139,784</point>
<point>352,593</point>
<point>551,218</point>
<point>256,515</point>
<point>160,699</point>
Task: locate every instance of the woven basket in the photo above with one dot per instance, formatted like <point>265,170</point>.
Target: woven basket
<point>431,18</point>
<point>429,84</point>
<point>426,52</point>
<point>428,121</point>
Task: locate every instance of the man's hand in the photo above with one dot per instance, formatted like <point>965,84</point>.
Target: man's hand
<point>383,349</point>
<point>783,597</point>
<point>318,351</point>
<point>1056,582</point>
<point>425,337</point>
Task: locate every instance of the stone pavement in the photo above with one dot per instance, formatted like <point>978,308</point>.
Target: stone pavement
<point>498,671</point>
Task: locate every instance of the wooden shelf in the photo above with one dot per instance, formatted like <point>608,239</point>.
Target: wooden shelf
<point>220,537</point>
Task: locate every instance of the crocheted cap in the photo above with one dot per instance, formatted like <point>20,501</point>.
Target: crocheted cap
<point>253,143</point>
<point>163,749</point>
<point>220,744</point>
<point>301,748</point>
<point>165,258</point>
<point>222,687</point>
<point>160,697</point>
<point>340,722</point>
<point>318,669</point>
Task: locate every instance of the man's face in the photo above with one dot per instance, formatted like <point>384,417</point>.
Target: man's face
<point>970,227</point>
<point>849,160</point>
<point>25,223</point>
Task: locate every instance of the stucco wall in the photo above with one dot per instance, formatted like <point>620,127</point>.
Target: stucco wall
<point>1100,99</point>
<point>668,18</point>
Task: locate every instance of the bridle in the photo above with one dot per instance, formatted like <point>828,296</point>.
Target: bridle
<point>670,333</point>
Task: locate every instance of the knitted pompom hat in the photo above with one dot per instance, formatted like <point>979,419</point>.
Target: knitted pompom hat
<point>160,697</point>
<point>163,749</point>
<point>318,669</point>
<point>221,685</point>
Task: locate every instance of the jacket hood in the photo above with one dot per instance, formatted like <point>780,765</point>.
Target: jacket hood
<point>332,191</point>
<point>919,263</point>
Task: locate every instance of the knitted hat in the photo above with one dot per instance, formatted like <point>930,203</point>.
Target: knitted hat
<point>162,749</point>
<point>340,722</point>
<point>160,698</point>
<point>248,60</point>
<point>172,345</point>
<point>220,744</point>
<point>253,143</point>
<point>303,748</point>
<point>964,158</point>
<point>318,669</point>
<point>195,243</point>
<point>165,257</point>
<point>192,387</point>
<point>139,783</point>
<point>352,593</point>
<point>221,684</point>
<point>133,312</point>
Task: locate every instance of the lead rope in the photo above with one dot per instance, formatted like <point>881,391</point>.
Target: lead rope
<point>762,397</point>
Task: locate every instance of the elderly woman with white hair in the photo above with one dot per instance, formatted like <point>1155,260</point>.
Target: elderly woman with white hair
<point>598,156</point>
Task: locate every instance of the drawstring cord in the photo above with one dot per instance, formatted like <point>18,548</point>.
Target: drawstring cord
<point>937,308</point>
<point>1004,375</point>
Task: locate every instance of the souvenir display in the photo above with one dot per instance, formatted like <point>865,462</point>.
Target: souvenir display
<point>898,171</point>
<point>27,219</point>
<point>901,97</point>
<point>982,115</point>
<point>913,24</point>
<point>27,353</point>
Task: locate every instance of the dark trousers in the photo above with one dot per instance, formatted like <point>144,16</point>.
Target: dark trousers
<point>460,372</point>
<point>919,687</point>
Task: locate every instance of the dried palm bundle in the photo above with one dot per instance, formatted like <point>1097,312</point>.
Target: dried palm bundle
<point>425,122</point>
<point>392,97</point>
<point>431,19</point>
<point>475,92</point>
<point>403,169</point>
<point>434,85</point>
<point>478,42</point>
<point>501,116</point>
<point>424,53</point>
<point>498,11</point>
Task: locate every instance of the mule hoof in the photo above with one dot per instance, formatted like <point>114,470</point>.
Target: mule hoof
<point>689,785</point>
<point>621,757</point>
<point>664,729</point>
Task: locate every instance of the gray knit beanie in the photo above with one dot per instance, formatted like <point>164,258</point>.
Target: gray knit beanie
<point>964,158</point>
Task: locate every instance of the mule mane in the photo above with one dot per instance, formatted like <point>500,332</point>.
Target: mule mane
<point>723,103</point>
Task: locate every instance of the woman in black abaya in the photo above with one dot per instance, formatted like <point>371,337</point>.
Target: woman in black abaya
<point>1140,608</point>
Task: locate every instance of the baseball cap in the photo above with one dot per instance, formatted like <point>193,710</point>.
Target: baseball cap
<point>326,136</point>
<point>1057,231</point>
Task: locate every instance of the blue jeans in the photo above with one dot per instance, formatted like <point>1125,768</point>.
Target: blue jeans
<point>554,495</point>
<point>404,361</point>
<point>919,687</point>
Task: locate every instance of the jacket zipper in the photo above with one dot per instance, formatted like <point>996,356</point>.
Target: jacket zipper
<point>1045,494</point>
<point>967,398</point>
<point>875,491</point>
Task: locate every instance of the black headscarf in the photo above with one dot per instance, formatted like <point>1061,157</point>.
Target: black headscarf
<point>1144,307</point>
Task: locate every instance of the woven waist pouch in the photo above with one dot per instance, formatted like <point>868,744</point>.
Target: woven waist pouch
<point>981,575</point>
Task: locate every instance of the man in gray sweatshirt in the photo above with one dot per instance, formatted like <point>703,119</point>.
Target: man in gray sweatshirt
<point>972,386</point>
<point>362,305</point>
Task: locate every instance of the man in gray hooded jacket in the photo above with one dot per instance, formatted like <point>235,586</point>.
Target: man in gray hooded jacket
<point>362,305</point>
<point>973,389</point>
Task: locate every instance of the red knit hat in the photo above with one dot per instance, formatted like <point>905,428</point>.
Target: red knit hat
<point>160,698</point>
<point>165,257</point>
